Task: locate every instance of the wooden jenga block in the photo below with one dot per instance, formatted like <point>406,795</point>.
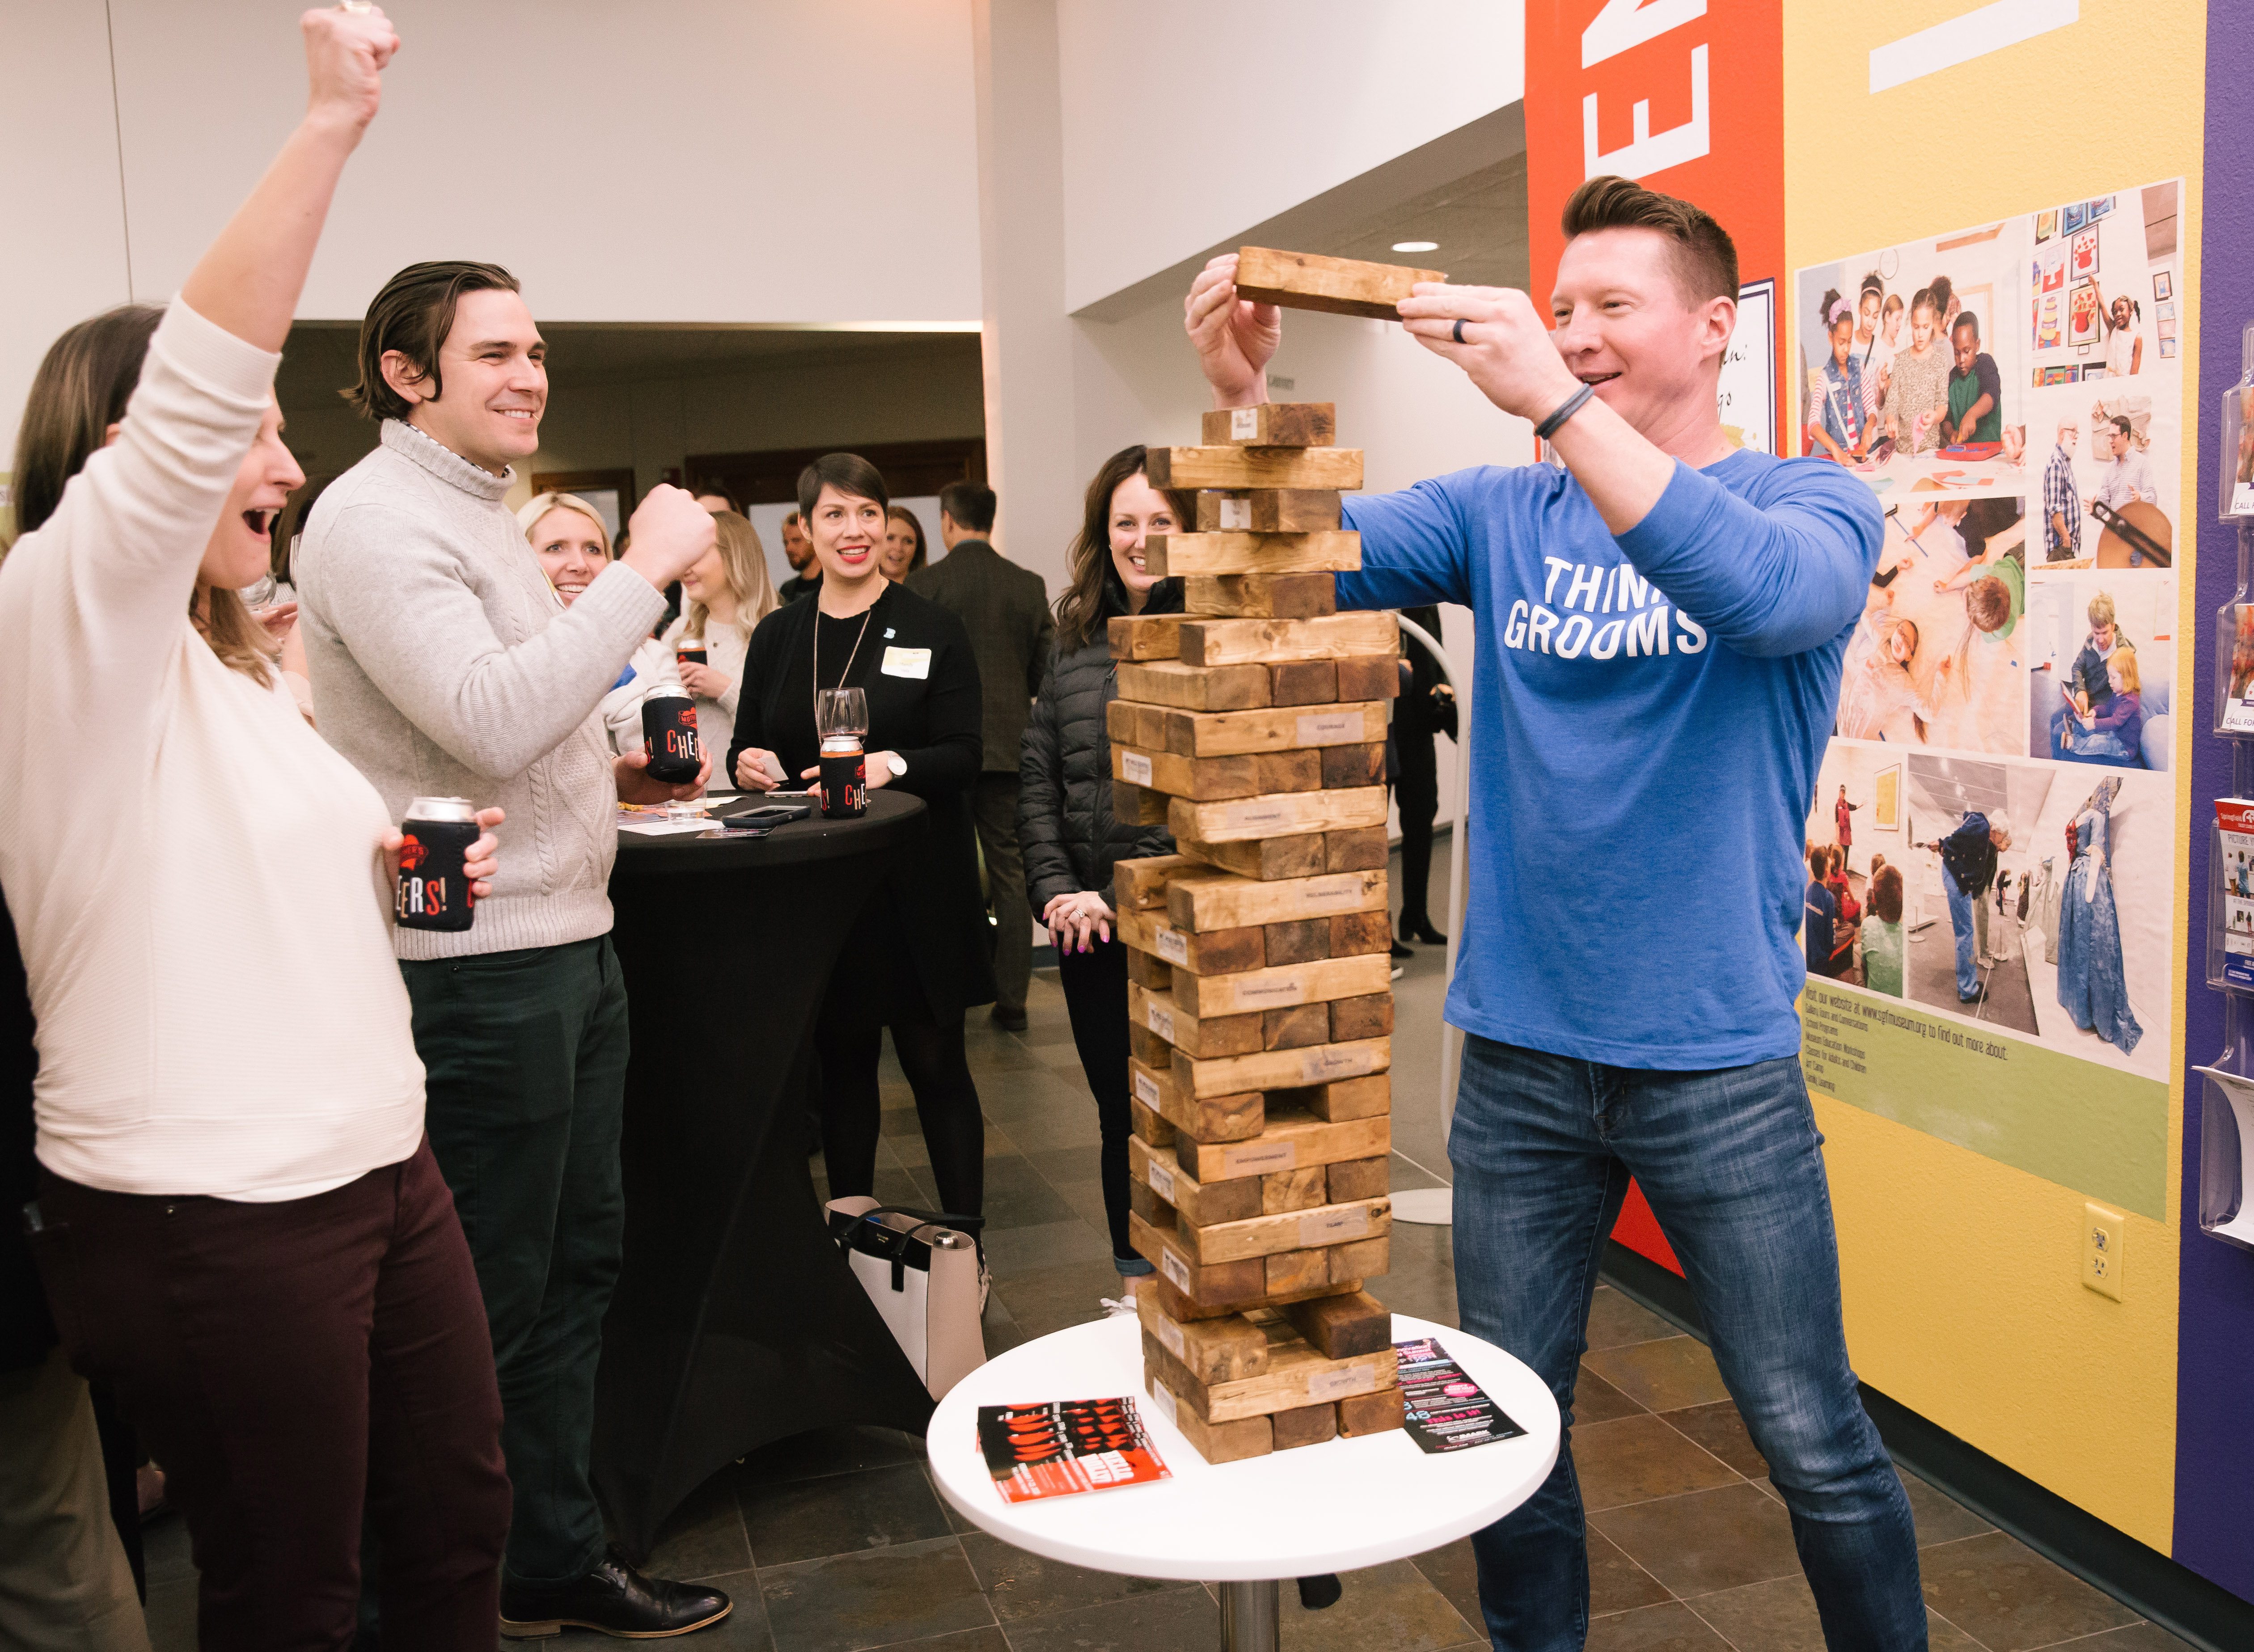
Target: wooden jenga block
<point>1228,733</point>
<point>1199,901</point>
<point>1341,636</point>
<point>1248,467</point>
<point>1297,1270</point>
<point>1353,1179</point>
<point>1269,510</point>
<point>1354,764</point>
<point>1149,1046</point>
<point>1197,688</point>
<point>1352,934</point>
<point>1240,1283</point>
<point>1335,1103</point>
<point>1298,1027</point>
<point>1273,425</point>
<point>1156,1015</point>
<point>1150,1126</point>
<point>1180,1307</point>
<point>1375,677</point>
<point>1143,1201</point>
<point>1158,1169</point>
<point>1297,941</point>
<point>1287,1230</point>
<point>1261,595</point>
<point>1132,723</point>
<point>1218,1443</point>
<point>1219,1118</point>
<point>1369,1017</point>
<point>1342,1327</point>
<point>1376,1413</point>
<point>1360,849</point>
<point>1293,1190</point>
<point>1302,683</point>
<point>1134,806</point>
<point>1286,1142</point>
<point>1151,973</point>
<point>1148,636</point>
<point>1213,556</point>
<point>1341,286</point>
<point>1318,982</point>
<point>1296,1376</point>
<point>1140,885</point>
<point>1223,1350</point>
<point>1268,858</point>
<point>1284,814</point>
<point>1305,1425</point>
<point>1276,1069</point>
<point>1363,1259</point>
<point>1297,770</point>
<point>1200,952</point>
<point>1202,778</point>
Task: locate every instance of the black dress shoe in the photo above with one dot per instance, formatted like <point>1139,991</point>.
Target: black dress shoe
<point>1422,931</point>
<point>1008,1020</point>
<point>1400,951</point>
<point>614,1598</point>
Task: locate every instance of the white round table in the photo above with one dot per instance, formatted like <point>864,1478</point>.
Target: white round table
<point>1344,1504</point>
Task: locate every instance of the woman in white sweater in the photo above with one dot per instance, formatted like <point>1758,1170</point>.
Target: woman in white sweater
<point>723,599</point>
<point>573,546</point>
<point>241,1226</point>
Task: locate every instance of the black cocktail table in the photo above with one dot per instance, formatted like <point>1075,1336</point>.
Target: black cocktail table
<point>735,1321</point>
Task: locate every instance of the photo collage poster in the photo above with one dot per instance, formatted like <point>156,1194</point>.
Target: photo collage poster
<point>2012,392</point>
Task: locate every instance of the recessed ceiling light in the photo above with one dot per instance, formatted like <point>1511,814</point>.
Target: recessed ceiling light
<point>1416,245</point>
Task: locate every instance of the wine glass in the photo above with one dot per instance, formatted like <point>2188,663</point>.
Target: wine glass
<point>841,715</point>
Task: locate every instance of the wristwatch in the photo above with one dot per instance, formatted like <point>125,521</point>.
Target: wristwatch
<point>897,764</point>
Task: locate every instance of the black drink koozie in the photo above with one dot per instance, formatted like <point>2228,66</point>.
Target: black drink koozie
<point>434,892</point>
<point>669,734</point>
<point>844,785</point>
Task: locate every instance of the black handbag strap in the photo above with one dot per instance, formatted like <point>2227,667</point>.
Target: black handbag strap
<point>892,1244</point>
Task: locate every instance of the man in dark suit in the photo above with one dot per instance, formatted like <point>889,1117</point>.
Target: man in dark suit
<point>1005,609</point>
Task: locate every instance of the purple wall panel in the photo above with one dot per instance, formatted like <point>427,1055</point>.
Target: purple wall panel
<point>2214,1386</point>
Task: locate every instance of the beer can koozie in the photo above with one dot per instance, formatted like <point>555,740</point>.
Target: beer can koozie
<point>669,734</point>
<point>434,889</point>
<point>691,651</point>
<point>845,781</point>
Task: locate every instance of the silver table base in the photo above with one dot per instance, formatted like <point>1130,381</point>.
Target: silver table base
<point>1248,1617</point>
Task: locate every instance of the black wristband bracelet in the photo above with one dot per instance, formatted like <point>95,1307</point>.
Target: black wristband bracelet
<point>1571,405</point>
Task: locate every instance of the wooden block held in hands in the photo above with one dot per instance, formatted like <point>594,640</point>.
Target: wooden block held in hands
<point>1369,1017</point>
<point>1273,424</point>
<point>1146,636</point>
<point>1261,595</point>
<point>1251,467</point>
<point>1269,510</point>
<point>1342,1327</point>
<point>1340,286</point>
<point>1375,1413</point>
<point>1353,1179</point>
<point>1333,550</point>
<point>1340,636</point>
<point>1196,687</point>
<point>1199,901</point>
<point>1282,814</point>
<point>1228,733</point>
<point>1305,1426</point>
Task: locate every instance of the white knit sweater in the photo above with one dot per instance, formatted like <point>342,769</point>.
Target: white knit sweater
<point>194,875</point>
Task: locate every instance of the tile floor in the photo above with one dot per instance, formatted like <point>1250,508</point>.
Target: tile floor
<point>837,1542</point>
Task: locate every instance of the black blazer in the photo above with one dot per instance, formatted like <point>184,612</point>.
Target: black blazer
<point>931,903</point>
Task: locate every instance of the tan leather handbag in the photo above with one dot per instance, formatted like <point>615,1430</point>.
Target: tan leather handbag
<point>920,1268</point>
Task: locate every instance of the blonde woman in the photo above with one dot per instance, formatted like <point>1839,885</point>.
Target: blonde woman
<point>573,546</point>
<point>724,597</point>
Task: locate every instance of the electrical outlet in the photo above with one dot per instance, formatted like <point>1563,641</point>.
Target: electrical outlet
<point>2104,1239</point>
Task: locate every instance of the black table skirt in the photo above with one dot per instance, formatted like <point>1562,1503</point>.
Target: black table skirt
<point>735,1321</point>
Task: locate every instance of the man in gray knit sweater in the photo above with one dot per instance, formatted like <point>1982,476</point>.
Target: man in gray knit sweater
<point>443,665</point>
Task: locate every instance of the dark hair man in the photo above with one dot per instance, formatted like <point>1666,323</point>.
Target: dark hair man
<point>1005,609</point>
<point>443,665</point>
<point>798,550</point>
<point>1663,616</point>
<point>1975,389</point>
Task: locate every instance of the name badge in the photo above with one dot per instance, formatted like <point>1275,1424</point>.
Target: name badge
<point>907,663</point>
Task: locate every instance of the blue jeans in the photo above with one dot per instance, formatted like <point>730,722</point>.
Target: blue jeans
<point>1960,923</point>
<point>1543,1149</point>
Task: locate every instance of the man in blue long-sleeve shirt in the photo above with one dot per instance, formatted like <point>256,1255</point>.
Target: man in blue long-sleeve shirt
<point>1660,627</point>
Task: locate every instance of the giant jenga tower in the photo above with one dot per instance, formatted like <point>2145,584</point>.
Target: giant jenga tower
<point>1260,998</point>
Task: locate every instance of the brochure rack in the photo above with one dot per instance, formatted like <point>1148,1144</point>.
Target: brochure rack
<point>2225,1144</point>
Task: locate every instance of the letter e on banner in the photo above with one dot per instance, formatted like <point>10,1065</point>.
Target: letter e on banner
<point>1685,96</point>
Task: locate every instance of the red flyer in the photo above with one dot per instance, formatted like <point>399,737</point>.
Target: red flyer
<point>1065,1446</point>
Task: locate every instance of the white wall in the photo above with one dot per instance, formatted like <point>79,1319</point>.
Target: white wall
<point>1186,123</point>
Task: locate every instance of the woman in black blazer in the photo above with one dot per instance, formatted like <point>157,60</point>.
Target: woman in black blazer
<point>921,951</point>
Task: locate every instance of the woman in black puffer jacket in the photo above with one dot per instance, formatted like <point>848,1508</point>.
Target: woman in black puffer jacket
<point>1065,824</point>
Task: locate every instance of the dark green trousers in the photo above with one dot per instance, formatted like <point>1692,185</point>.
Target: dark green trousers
<point>526,1054</point>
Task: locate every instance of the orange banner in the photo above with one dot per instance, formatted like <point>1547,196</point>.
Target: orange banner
<point>1685,96</point>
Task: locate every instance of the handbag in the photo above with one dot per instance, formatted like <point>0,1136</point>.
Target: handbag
<point>921,1269</point>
